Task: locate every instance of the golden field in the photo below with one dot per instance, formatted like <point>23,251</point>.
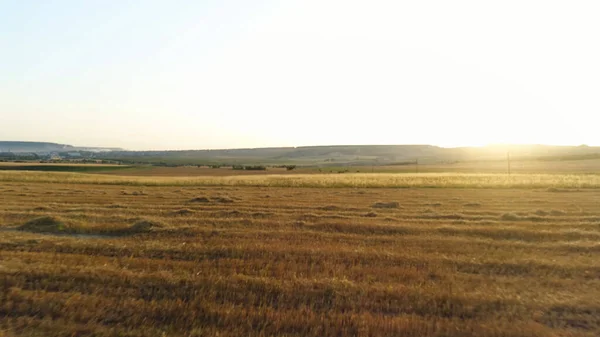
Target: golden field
<point>300,255</point>
<point>350,180</point>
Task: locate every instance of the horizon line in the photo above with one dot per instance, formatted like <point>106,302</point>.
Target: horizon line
<point>117,148</point>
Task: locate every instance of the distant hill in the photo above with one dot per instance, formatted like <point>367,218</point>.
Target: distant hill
<point>33,147</point>
<point>358,154</point>
<point>43,147</point>
<point>320,155</point>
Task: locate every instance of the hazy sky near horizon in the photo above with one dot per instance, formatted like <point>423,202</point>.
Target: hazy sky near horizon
<point>149,74</point>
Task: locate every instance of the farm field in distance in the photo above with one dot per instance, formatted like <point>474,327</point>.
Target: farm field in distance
<point>299,255</point>
<point>590,166</point>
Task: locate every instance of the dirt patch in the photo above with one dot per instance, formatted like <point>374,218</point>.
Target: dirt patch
<point>200,200</point>
<point>133,193</point>
<point>329,208</point>
<point>391,204</point>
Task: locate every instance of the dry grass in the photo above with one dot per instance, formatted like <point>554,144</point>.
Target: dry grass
<point>498,167</point>
<point>45,224</point>
<point>303,262</point>
<point>551,182</point>
<point>390,204</point>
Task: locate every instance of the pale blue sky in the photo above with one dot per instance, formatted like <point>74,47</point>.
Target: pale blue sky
<point>215,74</point>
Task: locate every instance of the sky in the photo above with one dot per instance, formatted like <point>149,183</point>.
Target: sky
<point>149,74</point>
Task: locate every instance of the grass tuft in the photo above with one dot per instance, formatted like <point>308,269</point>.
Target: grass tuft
<point>510,217</point>
<point>144,226</point>
<point>551,182</point>
<point>183,212</point>
<point>200,200</point>
<point>45,224</point>
<point>223,200</point>
<point>391,204</point>
<point>276,269</point>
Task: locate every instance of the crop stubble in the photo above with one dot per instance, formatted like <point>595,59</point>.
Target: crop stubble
<point>286,261</point>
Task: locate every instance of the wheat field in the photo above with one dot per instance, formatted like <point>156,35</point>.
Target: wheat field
<point>351,180</point>
<point>325,255</point>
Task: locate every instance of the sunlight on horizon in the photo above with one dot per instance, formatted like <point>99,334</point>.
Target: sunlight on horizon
<point>234,74</point>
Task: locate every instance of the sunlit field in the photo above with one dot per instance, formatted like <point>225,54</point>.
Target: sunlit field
<point>299,168</point>
<point>590,166</point>
<point>355,180</point>
<point>300,255</point>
